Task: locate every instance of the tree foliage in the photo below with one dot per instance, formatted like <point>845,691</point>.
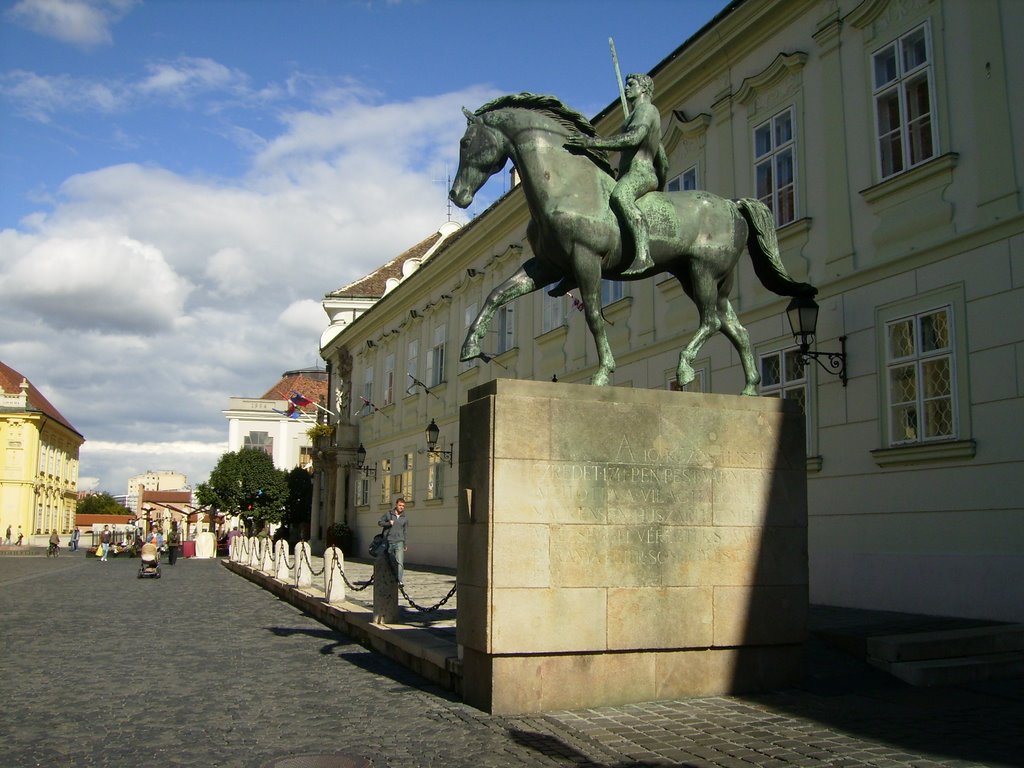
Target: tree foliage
<point>246,483</point>
<point>100,504</point>
<point>300,499</point>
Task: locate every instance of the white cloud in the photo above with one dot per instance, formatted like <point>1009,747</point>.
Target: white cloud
<point>85,23</point>
<point>141,300</point>
<point>304,317</point>
<point>189,74</point>
<point>105,282</point>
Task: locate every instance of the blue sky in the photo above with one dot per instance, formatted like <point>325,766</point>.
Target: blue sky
<point>181,181</point>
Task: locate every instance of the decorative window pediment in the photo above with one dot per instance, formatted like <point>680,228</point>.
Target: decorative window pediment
<point>685,132</point>
<point>777,82</point>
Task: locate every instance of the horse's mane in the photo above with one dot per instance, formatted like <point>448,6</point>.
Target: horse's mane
<point>552,106</point>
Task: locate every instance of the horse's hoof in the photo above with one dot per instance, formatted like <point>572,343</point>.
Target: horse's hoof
<point>469,353</point>
<point>600,379</point>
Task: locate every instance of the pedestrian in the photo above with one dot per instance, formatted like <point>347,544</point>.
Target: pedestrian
<point>21,536</point>
<point>173,544</point>
<point>233,534</point>
<point>105,543</point>
<point>75,536</point>
<point>7,537</point>
<point>397,524</point>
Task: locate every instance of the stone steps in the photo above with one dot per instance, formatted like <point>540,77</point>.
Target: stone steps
<point>951,657</point>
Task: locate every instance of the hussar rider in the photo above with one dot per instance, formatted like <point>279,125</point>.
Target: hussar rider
<point>643,165</point>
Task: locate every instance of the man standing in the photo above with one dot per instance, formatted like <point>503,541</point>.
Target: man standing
<point>643,165</point>
<point>173,542</point>
<point>397,524</point>
<point>7,538</point>
<point>105,543</point>
<point>75,536</point>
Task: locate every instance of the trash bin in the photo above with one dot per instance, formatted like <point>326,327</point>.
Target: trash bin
<point>188,549</point>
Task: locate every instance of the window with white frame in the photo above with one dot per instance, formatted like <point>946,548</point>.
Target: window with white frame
<point>362,489</point>
<point>412,363</point>
<point>389,380</point>
<point>435,476</point>
<point>407,468</point>
<point>367,398</point>
<point>784,375</point>
<point>385,481</point>
<point>505,328</point>
<point>435,359</point>
<point>904,122</point>
<point>775,166</point>
<point>611,291</point>
<point>260,441</point>
<point>920,371</point>
<point>553,309</point>
<point>687,180</point>
<point>468,316</point>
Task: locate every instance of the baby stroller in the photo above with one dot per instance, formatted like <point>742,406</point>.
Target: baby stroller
<point>149,565</point>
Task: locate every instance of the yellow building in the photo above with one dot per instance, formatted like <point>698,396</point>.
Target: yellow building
<point>38,462</point>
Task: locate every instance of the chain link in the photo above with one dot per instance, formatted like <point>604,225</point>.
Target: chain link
<point>313,572</point>
<point>413,603</point>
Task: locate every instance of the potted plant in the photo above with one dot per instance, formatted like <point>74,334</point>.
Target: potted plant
<point>321,434</point>
<point>341,536</point>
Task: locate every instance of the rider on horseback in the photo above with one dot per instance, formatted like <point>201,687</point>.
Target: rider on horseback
<point>643,165</point>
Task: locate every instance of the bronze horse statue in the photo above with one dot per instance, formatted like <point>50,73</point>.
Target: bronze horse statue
<point>695,236</point>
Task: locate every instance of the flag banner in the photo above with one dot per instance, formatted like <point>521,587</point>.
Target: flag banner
<point>299,400</point>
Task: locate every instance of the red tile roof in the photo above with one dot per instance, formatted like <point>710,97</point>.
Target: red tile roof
<point>311,384</point>
<point>373,285</point>
<point>10,382</point>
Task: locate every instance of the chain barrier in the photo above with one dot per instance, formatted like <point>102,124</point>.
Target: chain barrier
<point>312,571</point>
<point>284,554</point>
<point>401,588</point>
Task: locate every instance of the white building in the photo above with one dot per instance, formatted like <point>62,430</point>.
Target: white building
<point>274,424</point>
<point>886,137</point>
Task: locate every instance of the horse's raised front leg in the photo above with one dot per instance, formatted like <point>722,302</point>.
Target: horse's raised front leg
<point>587,267</point>
<point>532,275</point>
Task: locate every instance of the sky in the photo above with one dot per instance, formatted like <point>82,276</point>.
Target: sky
<point>182,181</point>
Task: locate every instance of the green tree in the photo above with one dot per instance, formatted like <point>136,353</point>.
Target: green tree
<point>246,483</point>
<point>100,504</point>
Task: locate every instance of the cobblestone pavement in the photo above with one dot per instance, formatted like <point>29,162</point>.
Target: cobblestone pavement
<point>204,668</point>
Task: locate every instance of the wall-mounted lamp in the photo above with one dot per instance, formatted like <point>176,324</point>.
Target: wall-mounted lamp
<point>803,321</point>
<point>360,467</point>
<point>433,433</point>
<point>370,344</point>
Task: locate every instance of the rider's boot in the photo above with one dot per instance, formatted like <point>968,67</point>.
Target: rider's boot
<point>642,258</point>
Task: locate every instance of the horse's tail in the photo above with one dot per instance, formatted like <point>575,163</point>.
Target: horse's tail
<point>764,251</point>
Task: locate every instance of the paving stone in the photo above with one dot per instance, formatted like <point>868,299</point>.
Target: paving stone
<point>203,668</point>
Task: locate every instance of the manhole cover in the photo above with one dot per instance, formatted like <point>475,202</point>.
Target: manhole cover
<point>320,761</point>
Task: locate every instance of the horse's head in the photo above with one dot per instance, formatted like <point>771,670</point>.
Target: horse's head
<point>483,152</point>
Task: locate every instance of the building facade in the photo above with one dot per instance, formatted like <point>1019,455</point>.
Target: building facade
<point>152,480</point>
<point>38,462</point>
<point>276,425</point>
<point>884,138</point>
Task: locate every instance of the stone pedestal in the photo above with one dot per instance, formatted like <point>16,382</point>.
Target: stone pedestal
<point>385,592</point>
<point>621,545</point>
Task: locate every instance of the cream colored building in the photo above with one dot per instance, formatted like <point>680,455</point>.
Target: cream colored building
<point>38,462</point>
<point>886,136</point>
<point>153,480</point>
